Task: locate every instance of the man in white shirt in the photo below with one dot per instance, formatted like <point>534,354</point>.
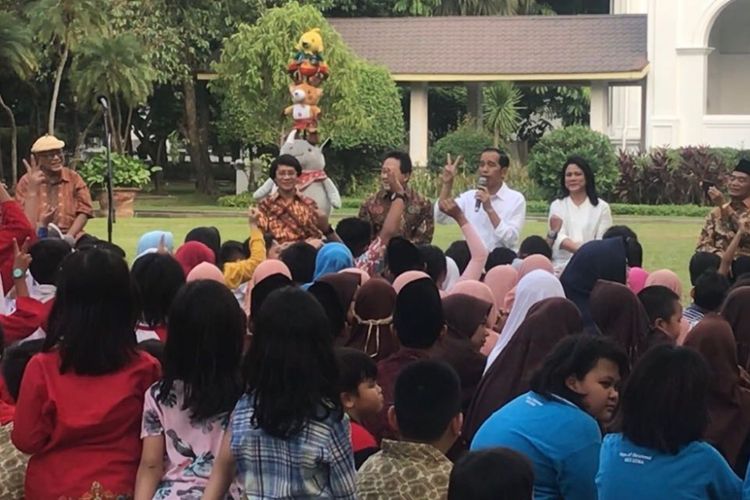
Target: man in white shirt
<point>502,211</point>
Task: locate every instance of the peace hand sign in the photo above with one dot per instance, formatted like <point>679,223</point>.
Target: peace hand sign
<point>449,171</point>
<point>36,176</point>
<point>21,257</point>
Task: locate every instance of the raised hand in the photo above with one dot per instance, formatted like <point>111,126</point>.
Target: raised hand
<point>48,216</point>
<point>36,176</point>
<point>21,257</point>
<point>555,223</point>
<point>715,196</point>
<point>252,216</point>
<point>393,183</point>
<point>450,169</point>
<point>449,207</point>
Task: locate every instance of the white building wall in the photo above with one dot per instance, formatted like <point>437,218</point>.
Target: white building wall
<point>683,70</point>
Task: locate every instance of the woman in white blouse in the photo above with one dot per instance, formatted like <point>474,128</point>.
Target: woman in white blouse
<point>579,216</point>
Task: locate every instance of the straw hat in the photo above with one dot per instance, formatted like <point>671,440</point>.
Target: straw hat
<point>47,142</point>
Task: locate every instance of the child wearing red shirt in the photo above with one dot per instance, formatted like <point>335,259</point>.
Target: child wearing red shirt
<point>361,398</point>
<point>79,410</point>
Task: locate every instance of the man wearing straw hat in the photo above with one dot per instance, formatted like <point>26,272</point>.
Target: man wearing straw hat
<point>51,192</point>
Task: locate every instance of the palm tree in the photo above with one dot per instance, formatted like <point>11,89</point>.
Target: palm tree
<point>500,103</point>
<point>16,55</point>
<point>65,24</point>
<point>416,7</point>
<point>118,68</point>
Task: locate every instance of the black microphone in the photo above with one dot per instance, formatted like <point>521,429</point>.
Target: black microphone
<point>103,102</point>
<point>481,183</point>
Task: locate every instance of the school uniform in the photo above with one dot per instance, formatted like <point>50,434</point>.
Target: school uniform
<point>697,471</point>
<point>560,439</point>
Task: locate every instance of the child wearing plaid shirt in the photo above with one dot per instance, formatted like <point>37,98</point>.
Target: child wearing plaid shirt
<point>288,435</point>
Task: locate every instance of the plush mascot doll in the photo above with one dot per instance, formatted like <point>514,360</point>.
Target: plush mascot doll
<point>313,183</point>
<point>305,110</point>
<point>307,61</point>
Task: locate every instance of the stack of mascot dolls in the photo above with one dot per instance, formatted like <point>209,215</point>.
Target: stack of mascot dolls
<point>308,72</point>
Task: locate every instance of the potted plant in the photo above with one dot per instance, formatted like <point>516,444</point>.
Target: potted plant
<point>129,175</point>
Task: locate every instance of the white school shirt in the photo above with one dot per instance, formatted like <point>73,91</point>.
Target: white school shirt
<point>581,223</point>
<point>510,205</point>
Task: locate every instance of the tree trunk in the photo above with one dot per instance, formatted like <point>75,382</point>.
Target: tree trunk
<point>193,135</point>
<point>81,139</point>
<point>56,91</point>
<point>13,142</point>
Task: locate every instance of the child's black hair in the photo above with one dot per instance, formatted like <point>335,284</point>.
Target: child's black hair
<point>204,349</point>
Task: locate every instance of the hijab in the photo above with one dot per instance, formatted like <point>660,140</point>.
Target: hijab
<point>728,401</point>
<point>509,376</point>
<point>372,331</point>
<point>534,287</point>
<point>667,278</point>
<point>209,236</point>
<point>463,315</point>
<point>736,311</point>
<point>331,258</point>
<point>328,297</point>
<point>533,263</point>
<point>345,285</point>
<point>451,274</point>
<point>619,315</point>
<point>594,261</point>
<point>404,279</point>
<point>191,254</point>
<point>637,279</point>
<point>501,280</point>
<point>268,267</point>
<point>481,291</point>
<point>363,275</point>
<point>151,240</point>
<point>205,271</point>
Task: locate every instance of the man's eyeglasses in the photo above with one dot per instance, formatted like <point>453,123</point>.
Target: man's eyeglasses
<point>50,154</point>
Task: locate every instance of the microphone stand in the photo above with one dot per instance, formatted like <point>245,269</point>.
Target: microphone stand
<point>111,205</point>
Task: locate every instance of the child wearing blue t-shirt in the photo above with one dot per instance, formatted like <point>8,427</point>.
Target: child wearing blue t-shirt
<point>659,453</point>
<point>556,424</point>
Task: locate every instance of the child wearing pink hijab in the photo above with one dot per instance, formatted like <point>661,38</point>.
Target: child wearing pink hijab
<point>481,291</point>
<point>535,262</point>
<point>501,280</point>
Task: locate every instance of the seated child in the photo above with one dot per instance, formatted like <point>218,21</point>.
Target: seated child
<point>361,398</point>
<point>708,293</point>
<point>427,416</point>
<point>664,312</point>
<point>493,474</point>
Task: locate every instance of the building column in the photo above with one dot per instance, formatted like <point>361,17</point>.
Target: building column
<point>692,63</point>
<point>644,143</point>
<point>599,119</point>
<point>418,126</point>
<point>474,102</point>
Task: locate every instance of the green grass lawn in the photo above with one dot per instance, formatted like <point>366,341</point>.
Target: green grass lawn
<point>667,243</point>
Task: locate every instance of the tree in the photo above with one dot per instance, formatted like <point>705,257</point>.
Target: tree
<point>64,24</point>
<point>487,7</point>
<point>16,55</point>
<point>500,103</point>
<point>116,67</point>
<point>360,101</point>
<point>415,7</point>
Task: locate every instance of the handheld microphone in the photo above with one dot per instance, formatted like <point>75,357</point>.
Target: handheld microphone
<point>103,102</point>
<point>481,183</point>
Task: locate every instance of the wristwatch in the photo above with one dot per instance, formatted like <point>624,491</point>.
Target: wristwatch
<point>395,196</point>
<point>552,235</point>
<point>18,273</point>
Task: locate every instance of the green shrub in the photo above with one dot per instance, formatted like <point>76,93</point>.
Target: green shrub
<point>542,208</point>
<point>242,200</point>
<point>128,172</point>
<point>548,156</point>
<point>467,140</point>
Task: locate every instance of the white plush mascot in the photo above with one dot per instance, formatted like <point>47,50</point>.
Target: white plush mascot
<point>313,183</point>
